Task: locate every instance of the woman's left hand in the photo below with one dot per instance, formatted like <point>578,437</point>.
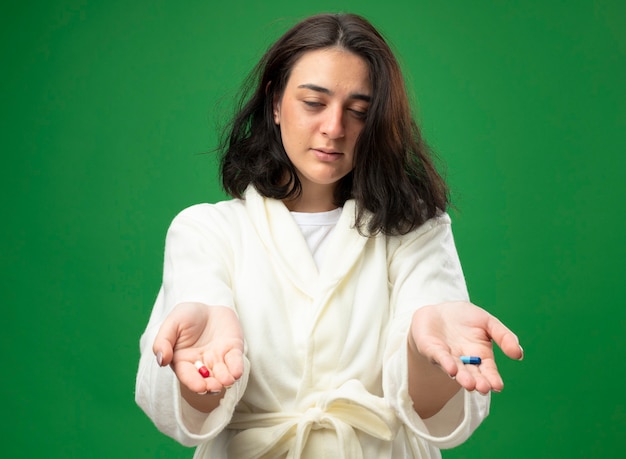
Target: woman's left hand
<point>444,332</point>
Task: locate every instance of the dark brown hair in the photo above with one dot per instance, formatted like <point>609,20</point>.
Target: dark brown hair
<point>394,181</point>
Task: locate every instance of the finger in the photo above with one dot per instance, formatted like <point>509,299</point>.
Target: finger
<point>226,370</point>
<point>482,378</point>
<point>222,375</point>
<point>504,338</point>
<point>164,342</point>
<point>440,356</point>
<point>189,375</point>
<point>234,362</point>
<point>488,377</point>
<point>466,376</point>
<point>472,378</point>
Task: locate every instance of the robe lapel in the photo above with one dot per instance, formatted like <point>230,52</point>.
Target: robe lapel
<point>284,240</point>
<point>344,248</point>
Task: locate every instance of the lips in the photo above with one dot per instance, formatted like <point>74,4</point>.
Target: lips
<point>328,151</point>
<point>326,154</point>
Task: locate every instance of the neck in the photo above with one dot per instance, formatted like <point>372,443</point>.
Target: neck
<point>320,199</point>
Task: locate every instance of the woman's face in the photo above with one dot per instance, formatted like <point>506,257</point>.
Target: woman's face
<point>321,113</point>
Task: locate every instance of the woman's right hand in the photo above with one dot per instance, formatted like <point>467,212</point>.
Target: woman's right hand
<point>196,332</point>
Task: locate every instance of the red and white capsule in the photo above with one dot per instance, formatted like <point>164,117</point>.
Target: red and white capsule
<point>202,369</point>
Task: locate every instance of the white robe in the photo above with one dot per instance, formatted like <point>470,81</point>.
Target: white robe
<point>326,351</point>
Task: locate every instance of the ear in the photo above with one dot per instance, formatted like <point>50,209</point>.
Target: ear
<point>276,107</point>
<point>275,103</point>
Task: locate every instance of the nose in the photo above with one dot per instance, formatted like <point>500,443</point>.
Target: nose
<point>332,125</point>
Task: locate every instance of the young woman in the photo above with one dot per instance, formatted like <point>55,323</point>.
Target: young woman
<point>322,312</point>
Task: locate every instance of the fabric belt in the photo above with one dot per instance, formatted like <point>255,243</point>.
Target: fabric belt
<point>345,410</point>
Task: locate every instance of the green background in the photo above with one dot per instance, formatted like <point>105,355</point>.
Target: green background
<point>108,108</point>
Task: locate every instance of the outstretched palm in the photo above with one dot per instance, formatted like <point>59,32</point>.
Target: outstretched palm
<point>444,332</point>
<point>210,334</point>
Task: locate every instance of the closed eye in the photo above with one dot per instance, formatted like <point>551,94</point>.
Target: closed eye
<point>359,113</point>
<point>311,103</point>
<point>356,112</point>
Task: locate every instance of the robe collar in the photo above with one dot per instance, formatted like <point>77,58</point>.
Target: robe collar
<point>285,242</point>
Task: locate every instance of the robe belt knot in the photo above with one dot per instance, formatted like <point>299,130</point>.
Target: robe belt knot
<point>315,418</point>
<point>345,410</point>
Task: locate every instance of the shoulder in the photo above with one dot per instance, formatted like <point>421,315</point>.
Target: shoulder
<point>433,228</point>
<point>439,222</point>
<point>208,211</point>
<point>220,217</point>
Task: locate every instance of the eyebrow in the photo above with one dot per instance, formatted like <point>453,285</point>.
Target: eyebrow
<point>314,87</point>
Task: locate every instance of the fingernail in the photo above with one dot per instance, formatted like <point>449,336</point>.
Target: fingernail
<point>159,358</point>
<point>522,349</point>
<point>215,392</point>
<point>202,393</point>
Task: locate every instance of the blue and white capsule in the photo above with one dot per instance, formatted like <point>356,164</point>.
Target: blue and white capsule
<point>470,360</point>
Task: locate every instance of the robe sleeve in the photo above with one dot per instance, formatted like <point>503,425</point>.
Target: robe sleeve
<point>424,269</point>
<point>197,268</point>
